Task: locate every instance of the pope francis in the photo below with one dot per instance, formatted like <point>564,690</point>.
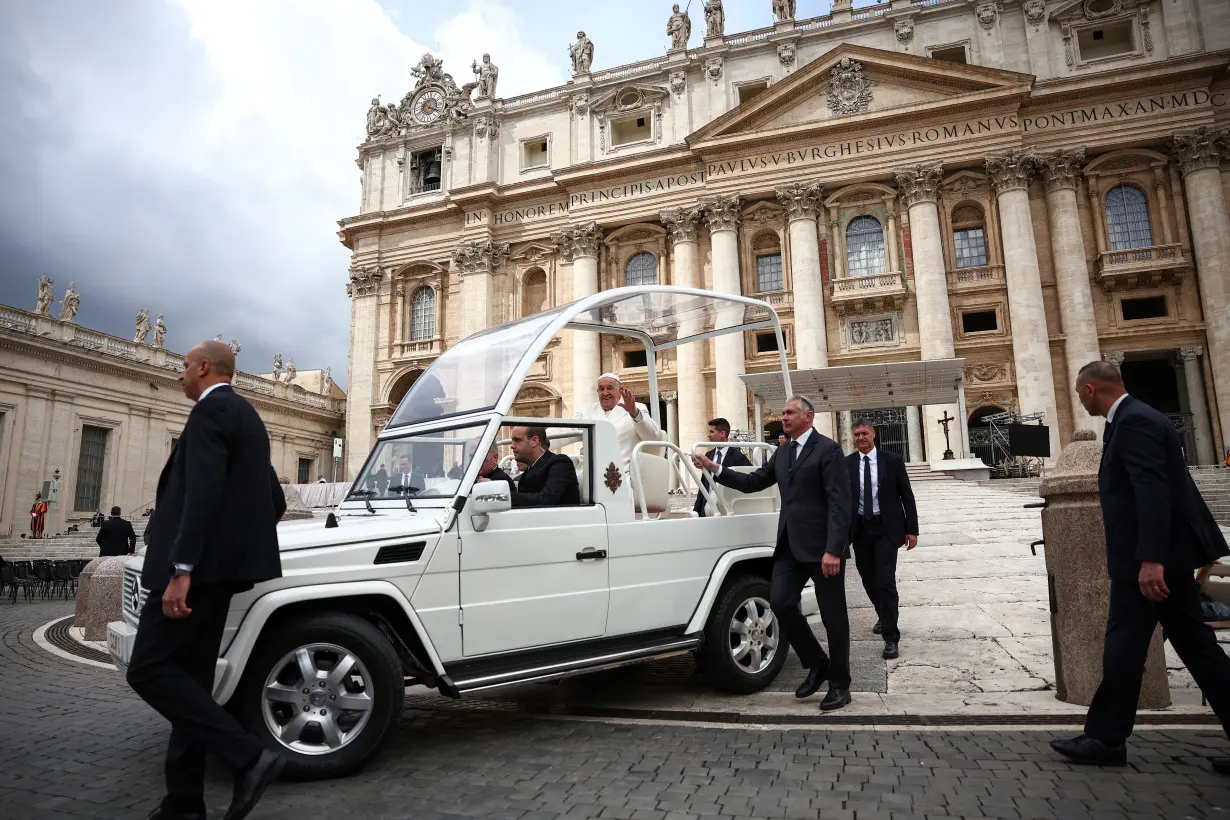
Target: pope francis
<point>631,418</point>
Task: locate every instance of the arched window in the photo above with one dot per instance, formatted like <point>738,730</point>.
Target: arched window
<point>969,238</point>
<point>642,269</point>
<point>1127,217</point>
<point>423,314</point>
<point>864,247</point>
<point>533,292</point>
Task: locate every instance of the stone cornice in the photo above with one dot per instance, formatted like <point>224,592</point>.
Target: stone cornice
<point>921,183</point>
<point>480,257</point>
<point>577,242</point>
<point>1061,169</point>
<point>1011,170</point>
<point>803,200</point>
<point>723,214</point>
<point>1200,149</point>
<point>681,223</point>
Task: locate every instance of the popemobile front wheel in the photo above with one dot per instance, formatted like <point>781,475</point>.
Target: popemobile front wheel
<point>325,692</point>
<point>744,648</point>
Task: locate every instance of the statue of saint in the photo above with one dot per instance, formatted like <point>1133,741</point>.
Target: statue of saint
<point>582,54</point>
<point>235,347</point>
<point>277,367</point>
<point>715,18</point>
<point>160,332</point>
<point>784,9</point>
<point>679,28</point>
<point>291,372</point>
<point>143,326</point>
<point>328,381</point>
<point>45,295</point>
<point>70,304</point>
<point>487,74</point>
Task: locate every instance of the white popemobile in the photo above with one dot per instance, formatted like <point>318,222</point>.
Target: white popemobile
<point>445,585</point>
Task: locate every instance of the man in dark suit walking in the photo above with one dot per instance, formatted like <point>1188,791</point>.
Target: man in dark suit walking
<point>885,517</point>
<point>547,479</point>
<point>813,539</point>
<point>1158,531</point>
<point>213,534</point>
<point>116,536</point>
<point>719,432</point>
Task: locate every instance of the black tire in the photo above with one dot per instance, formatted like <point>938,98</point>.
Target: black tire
<point>383,683</point>
<point>716,658</point>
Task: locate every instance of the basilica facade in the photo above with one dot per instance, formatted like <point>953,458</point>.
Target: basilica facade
<point>1028,185</point>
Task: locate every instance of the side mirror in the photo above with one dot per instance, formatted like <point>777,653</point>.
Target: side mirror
<point>488,497</point>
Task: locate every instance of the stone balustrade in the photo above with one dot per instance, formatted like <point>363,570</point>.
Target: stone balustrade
<point>976,277</point>
<point>1155,264</point>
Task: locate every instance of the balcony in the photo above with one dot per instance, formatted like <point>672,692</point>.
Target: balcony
<point>868,294</point>
<point>1141,267</point>
<point>418,349</point>
<point>981,277</point>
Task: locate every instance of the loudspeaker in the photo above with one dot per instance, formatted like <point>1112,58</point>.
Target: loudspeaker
<point>1032,440</point>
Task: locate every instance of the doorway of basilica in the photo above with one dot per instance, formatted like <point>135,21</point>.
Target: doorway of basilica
<point>1153,378</point>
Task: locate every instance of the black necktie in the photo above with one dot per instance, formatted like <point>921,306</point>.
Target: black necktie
<point>717,456</point>
<point>794,449</point>
<point>867,505</point>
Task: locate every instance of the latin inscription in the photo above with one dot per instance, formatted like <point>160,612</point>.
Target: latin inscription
<point>1122,110</point>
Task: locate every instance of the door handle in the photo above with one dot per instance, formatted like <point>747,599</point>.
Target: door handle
<point>590,554</point>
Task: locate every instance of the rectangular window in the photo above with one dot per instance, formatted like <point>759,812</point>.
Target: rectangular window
<point>536,153</point>
<point>635,128</point>
<point>635,358</point>
<point>90,461</point>
<point>981,321</point>
<point>425,171</point>
<point>1150,307</point>
<point>305,470</point>
<point>769,273</point>
<point>971,245</point>
<point>1107,40</point>
<point>750,90</point>
<point>951,54</point>
<point>766,343</point>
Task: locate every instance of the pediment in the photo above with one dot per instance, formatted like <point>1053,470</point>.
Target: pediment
<point>854,83</point>
<point>1075,11</point>
<point>628,98</point>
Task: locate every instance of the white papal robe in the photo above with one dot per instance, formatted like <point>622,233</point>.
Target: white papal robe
<point>629,430</point>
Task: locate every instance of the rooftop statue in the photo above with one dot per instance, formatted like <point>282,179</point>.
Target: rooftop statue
<point>679,28</point>
<point>582,54</point>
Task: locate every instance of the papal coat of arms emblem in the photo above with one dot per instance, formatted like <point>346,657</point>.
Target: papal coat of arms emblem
<point>613,478</point>
<point>849,90</point>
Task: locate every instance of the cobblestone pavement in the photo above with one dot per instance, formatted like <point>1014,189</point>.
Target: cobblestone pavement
<point>75,742</point>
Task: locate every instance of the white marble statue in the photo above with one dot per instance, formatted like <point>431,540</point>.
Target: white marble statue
<point>582,54</point>
<point>487,74</point>
<point>46,295</point>
<point>70,304</point>
<point>784,10</point>
<point>277,367</point>
<point>218,338</point>
<point>235,347</point>
<point>160,332</point>
<point>328,381</point>
<point>379,122</point>
<point>715,18</point>
<point>291,371</point>
<point>679,28</point>
<point>143,326</point>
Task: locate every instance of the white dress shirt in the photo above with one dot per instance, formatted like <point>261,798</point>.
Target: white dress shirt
<point>209,390</point>
<point>1110,414</point>
<point>872,454</point>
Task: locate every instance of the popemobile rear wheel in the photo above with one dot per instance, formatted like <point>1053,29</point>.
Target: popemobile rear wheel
<point>744,648</point>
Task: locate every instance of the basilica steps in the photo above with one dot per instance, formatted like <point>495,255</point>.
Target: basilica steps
<point>1214,485</point>
<point>922,472</point>
<point>75,545</point>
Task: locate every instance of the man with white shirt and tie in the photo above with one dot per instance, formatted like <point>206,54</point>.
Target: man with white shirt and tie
<point>719,432</point>
<point>885,517</point>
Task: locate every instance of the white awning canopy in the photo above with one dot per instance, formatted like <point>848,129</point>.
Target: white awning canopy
<point>866,386</point>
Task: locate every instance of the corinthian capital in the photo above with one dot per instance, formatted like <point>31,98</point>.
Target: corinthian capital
<point>365,281</point>
<point>920,183</point>
<point>681,223</point>
<point>723,214</point>
<point>582,241</point>
<point>1190,354</point>
<point>1060,169</point>
<point>1200,149</point>
<point>480,257</point>
<point>1011,170</point>
<point>802,199</point>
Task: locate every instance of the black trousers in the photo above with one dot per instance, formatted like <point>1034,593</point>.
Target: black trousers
<point>172,669</point>
<point>876,559</point>
<point>786,591</point>
<point>1129,627</point>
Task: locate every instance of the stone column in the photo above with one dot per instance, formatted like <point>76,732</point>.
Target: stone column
<point>580,247</point>
<point>846,431</point>
<point>913,430</point>
<point>1199,156</point>
<point>681,223</point>
<point>811,346</point>
<point>362,388</point>
<point>1059,172</point>
<point>476,261</point>
<point>722,217</point>
<point>1197,404</point>
<point>671,397</point>
<point>919,189</point>
<point>1031,348</point>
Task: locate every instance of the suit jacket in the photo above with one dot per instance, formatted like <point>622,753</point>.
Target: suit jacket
<point>417,481</point>
<point>499,475</point>
<point>1151,509</point>
<point>548,482</point>
<point>898,512</point>
<point>218,501</point>
<point>815,495</point>
<point>116,537</point>
<point>732,457</point>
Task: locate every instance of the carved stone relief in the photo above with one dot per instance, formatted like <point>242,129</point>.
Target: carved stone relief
<point>986,372</point>
<point>365,281</point>
<point>574,242</point>
<point>988,14</point>
<point>1035,12</point>
<point>679,82</point>
<point>713,68</point>
<point>786,54</point>
<point>904,31</point>
<point>849,91</point>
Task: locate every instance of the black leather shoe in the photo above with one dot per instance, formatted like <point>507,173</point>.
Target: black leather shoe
<point>890,650</point>
<point>878,629</point>
<point>811,684</point>
<point>835,699</point>
<point>250,785</point>
<point>1085,749</point>
<point>1221,765</point>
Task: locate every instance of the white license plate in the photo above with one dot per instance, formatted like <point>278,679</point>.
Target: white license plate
<point>119,642</point>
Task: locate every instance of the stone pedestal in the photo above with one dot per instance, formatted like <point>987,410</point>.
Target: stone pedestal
<point>296,510</point>
<point>106,598</point>
<point>1076,570</point>
<point>83,590</point>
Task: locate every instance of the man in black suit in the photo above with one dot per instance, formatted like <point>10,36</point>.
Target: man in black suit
<point>116,536</point>
<point>1158,531</point>
<point>719,431</point>
<point>405,479</point>
<point>490,468</point>
<point>213,534</point>
<point>813,539</point>
<point>885,517</point>
<point>547,479</point>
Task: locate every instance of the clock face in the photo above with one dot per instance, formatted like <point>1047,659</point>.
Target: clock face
<point>428,107</point>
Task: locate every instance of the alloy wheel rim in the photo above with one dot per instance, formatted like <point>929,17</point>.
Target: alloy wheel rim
<point>317,699</point>
<point>754,636</point>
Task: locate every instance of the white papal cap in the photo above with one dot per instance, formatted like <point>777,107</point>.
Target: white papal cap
<point>610,376</point>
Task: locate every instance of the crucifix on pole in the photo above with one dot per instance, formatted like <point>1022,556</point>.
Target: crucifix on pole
<point>945,421</point>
